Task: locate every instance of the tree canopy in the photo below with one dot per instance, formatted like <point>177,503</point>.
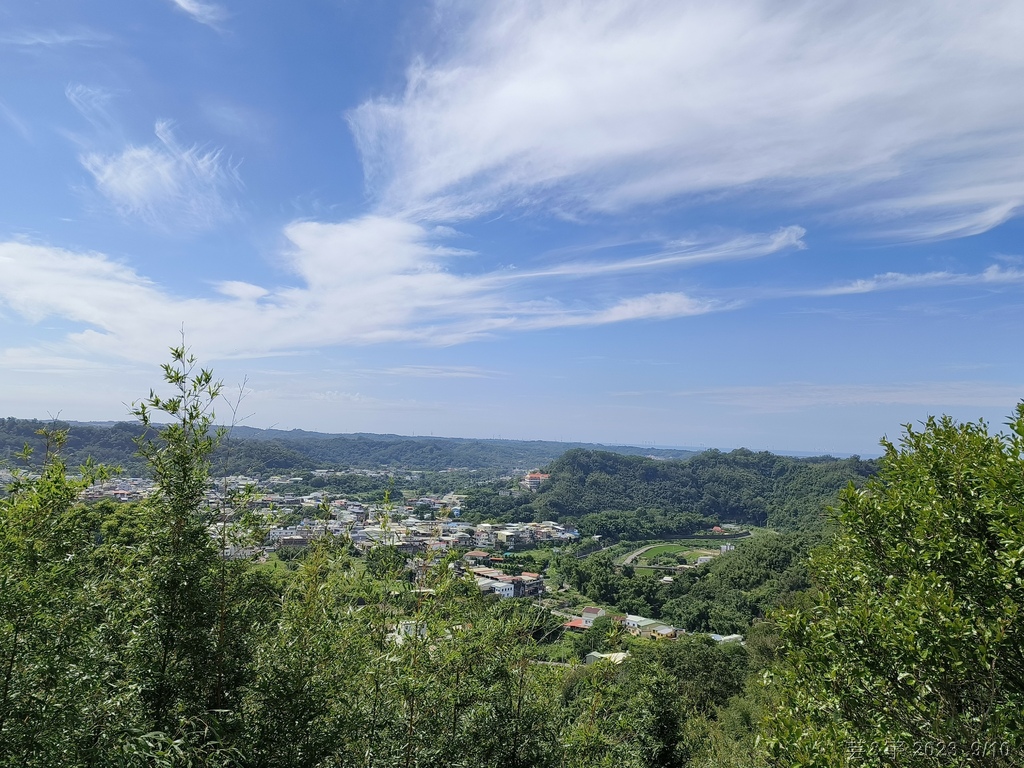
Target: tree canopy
<point>635,497</point>
<point>914,652</point>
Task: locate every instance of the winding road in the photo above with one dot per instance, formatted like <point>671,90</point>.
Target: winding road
<point>636,553</point>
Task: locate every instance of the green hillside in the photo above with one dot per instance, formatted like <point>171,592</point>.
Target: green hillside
<point>634,497</point>
<point>255,451</point>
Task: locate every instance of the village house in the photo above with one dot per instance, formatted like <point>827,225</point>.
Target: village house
<point>615,658</point>
<point>533,480</point>
<point>586,621</point>
<point>640,626</point>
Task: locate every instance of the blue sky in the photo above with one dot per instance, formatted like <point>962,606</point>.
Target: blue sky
<point>782,225</point>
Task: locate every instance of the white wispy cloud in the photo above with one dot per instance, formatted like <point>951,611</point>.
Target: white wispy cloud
<point>652,306</point>
<point>93,103</point>
<point>679,253</point>
<point>165,183</point>
<point>241,290</point>
<point>906,116</point>
<point>15,121</point>
<point>890,281</point>
<point>369,280</point>
<point>438,372</point>
<point>209,14</point>
<point>36,360</point>
<point>962,212</point>
<point>365,281</point>
<point>51,38</point>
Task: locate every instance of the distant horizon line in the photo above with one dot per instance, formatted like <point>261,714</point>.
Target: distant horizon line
<point>643,446</point>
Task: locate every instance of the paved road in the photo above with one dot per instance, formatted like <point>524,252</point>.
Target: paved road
<point>634,555</point>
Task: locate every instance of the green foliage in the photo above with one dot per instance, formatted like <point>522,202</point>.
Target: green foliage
<point>724,596</point>
<point>913,654</point>
<point>742,486</point>
<point>633,498</point>
<point>367,671</point>
<point>654,709</point>
<point>56,697</point>
<point>385,562</point>
<point>126,635</point>
<point>113,446</point>
<point>178,654</point>
<point>425,453</point>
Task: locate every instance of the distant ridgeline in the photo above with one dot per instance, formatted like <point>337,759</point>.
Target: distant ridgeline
<point>250,451</point>
<point>112,445</point>
<point>635,498</point>
<point>613,492</point>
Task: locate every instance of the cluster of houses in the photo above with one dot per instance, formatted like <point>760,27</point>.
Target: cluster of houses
<point>370,525</point>
<point>220,490</point>
<point>367,525</point>
<point>120,489</point>
<point>411,537</point>
<point>503,585</point>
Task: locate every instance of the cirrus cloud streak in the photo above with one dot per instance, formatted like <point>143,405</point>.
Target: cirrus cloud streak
<point>368,280</point>
<point>904,117</point>
<point>166,184</point>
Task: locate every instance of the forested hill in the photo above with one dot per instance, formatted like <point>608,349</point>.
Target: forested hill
<point>255,451</point>
<point>428,453</point>
<point>741,486</point>
<point>633,497</point>
<point>111,444</point>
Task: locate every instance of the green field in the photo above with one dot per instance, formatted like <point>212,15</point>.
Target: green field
<point>662,549</point>
<point>691,550</point>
